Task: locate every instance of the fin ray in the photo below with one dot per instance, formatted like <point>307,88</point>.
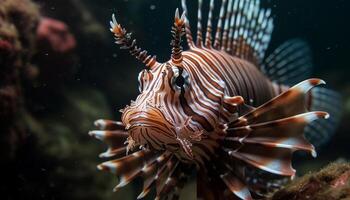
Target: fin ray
<point>243,30</point>
<point>128,167</point>
<point>289,103</point>
<point>320,132</point>
<point>267,136</point>
<point>289,63</point>
<point>236,186</point>
<point>113,134</point>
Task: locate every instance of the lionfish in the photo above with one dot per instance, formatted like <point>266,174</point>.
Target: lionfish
<point>221,109</point>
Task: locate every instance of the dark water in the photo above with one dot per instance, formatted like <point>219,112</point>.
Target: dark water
<point>52,157</point>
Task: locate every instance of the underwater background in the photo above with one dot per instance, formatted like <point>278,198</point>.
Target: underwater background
<point>60,71</point>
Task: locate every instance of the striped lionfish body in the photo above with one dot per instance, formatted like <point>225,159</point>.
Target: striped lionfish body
<point>220,108</point>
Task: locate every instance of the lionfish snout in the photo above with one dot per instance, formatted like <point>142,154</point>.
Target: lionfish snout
<point>148,126</point>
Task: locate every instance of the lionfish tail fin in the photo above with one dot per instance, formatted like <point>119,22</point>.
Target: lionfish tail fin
<point>243,29</point>
<point>267,136</point>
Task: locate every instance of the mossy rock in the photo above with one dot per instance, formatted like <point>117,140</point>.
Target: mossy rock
<point>331,183</point>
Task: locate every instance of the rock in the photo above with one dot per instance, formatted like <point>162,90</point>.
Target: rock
<point>330,183</point>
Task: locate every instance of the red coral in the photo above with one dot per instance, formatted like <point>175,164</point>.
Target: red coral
<point>56,35</point>
<point>6,47</point>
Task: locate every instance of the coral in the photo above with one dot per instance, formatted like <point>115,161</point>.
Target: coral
<point>55,35</point>
<point>46,150</point>
<point>55,55</point>
<point>18,20</point>
<point>331,183</point>
<point>82,21</point>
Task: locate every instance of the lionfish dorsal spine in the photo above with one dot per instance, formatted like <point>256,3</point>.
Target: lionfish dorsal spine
<point>189,37</point>
<point>124,39</point>
<point>232,27</point>
<point>208,35</point>
<point>177,32</point>
<point>243,29</point>
<point>226,26</point>
<point>199,24</point>
<point>218,35</point>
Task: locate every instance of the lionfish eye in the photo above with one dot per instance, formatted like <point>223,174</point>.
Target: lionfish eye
<point>180,79</point>
<point>143,79</point>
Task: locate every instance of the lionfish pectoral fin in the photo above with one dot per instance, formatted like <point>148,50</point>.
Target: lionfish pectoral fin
<point>236,186</point>
<point>299,67</point>
<point>151,173</point>
<point>113,134</point>
<point>164,175</point>
<point>320,132</point>
<point>209,187</point>
<point>105,124</point>
<point>152,166</point>
<point>127,168</point>
<point>292,102</point>
<point>267,136</point>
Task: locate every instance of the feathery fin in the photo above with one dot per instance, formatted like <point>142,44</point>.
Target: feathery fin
<point>165,172</point>
<point>267,136</point>
<point>175,183</point>
<point>321,131</point>
<point>129,167</point>
<point>105,124</point>
<point>236,186</point>
<point>151,173</point>
<point>277,140</point>
<point>113,134</point>
<point>289,103</point>
<point>290,63</point>
<point>154,167</point>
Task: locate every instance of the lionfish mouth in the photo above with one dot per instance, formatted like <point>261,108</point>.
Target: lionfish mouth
<point>149,127</point>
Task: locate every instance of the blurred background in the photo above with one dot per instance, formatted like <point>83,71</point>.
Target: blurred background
<point>60,71</point>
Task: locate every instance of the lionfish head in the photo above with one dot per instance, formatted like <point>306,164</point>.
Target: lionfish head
<point>161,116</point>
<point>156,118</point>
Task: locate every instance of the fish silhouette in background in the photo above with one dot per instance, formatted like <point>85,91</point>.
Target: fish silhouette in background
<point>221,108</point>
